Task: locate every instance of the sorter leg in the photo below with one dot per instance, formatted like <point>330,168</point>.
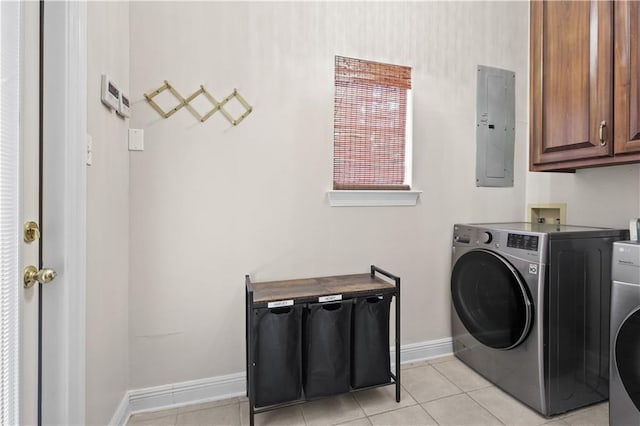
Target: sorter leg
<point>250,389</point>
<point>398,340</point>
<point>249,353</point>
<point>246,338</point>
<point>251,393</point>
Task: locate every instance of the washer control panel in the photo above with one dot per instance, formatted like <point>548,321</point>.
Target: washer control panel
<point>522,241</point>
<point>528,246</point>
<point>468,236</point>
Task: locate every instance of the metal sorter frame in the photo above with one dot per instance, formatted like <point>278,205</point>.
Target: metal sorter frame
<point>357,291</point>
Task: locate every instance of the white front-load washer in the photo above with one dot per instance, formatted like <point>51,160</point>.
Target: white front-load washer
<point>624,382</point>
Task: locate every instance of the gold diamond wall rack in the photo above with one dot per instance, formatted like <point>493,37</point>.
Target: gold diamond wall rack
<point>185,102</point>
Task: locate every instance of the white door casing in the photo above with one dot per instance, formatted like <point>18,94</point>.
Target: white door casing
<point>64,212</point>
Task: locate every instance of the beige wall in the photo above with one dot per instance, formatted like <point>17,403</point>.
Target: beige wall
<point>607,196</point>
<point>107,216</point>
<point>210,202</point>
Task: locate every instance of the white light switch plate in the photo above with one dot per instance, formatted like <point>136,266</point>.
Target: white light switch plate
<point>136,140</point>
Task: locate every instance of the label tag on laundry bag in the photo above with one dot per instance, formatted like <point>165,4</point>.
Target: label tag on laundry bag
<point>330,298</point>
<point>280,303</point>
<point>533,269</point>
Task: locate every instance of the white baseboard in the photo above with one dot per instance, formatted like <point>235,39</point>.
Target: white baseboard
<point>122,413</point>
<point>185,393</point>
<point>232,385</point>
<point>423,350</point>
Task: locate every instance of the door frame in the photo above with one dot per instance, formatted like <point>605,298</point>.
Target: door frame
<point>66,35</point>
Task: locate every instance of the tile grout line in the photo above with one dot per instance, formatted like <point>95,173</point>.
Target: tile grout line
<point>361,408</point>
<point>304,419</point>
<point>481,405</point>
<point>421,404</point>
<point>427,412</point>
<point>397,408</point>
<point>451,380</point>
<point>463,392</point>
<point>448,380</point>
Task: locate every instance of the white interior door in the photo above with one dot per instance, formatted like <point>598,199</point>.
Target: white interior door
<point>52,192</point>
<point>19,194</point>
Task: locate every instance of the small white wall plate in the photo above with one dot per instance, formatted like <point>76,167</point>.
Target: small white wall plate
<point>110,93</point>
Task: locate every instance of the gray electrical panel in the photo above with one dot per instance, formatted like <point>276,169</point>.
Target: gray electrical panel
<point>495,127</point>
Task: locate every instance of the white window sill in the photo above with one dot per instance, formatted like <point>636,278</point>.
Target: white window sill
<point>373,198</point>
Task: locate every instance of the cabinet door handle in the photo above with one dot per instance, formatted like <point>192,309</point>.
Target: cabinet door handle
<point>603,124</point>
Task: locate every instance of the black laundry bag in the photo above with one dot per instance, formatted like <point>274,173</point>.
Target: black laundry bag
<point>277,355</point>
<point>326,348</point>
<point>370,363</point>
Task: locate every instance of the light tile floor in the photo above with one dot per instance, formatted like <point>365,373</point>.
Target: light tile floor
<point>441,391</point>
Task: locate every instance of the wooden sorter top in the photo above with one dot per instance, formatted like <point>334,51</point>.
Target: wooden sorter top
<point>345,285</point>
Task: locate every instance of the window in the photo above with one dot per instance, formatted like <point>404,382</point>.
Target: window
<point>372,126</point>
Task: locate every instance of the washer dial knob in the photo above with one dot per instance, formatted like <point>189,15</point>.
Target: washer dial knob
<point>486,237</point>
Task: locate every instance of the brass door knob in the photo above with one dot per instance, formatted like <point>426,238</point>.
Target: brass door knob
<point>33,276</point>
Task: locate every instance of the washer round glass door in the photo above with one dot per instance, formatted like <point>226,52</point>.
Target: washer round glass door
<point>491,300</point>
<point>627,353</point>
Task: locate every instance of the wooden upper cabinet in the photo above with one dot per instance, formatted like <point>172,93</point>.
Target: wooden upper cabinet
<point>627,77</point>
<point>571,83</point>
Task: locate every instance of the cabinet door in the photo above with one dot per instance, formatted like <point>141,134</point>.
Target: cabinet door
<point>571,81</point>
<point>627,77</point>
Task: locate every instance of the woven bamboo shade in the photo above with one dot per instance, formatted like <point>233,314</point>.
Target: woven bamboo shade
<point>369,124</point>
